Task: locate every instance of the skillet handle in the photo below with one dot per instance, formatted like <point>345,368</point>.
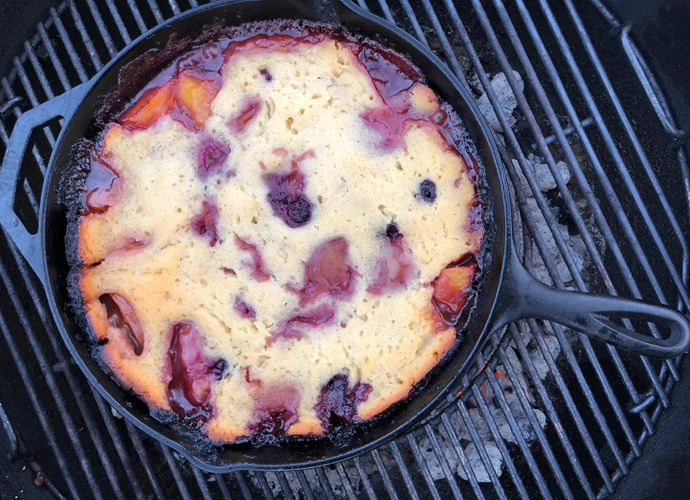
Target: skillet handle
<point>523,296</point>
<point>29,244</point>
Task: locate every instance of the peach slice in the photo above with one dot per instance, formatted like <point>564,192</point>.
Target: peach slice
<point>451,290</point>
<point>195,96</point>
<point>153,104</point>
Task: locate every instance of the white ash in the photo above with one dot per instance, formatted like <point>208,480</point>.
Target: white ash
<point>506,100</point>
<point>573,243</point>
<point>537,357</point>
<point>477,465</point>
<point>542,174</point>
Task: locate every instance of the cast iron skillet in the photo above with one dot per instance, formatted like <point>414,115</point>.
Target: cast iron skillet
<point>506,293</point>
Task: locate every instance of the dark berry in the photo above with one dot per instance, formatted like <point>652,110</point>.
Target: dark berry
<point>427,190</point>
<point>287,199</point>
<point>218,368</point>
<point>337,402</point>
<point>299,211</point>
<point>392,231</point>
<point>266,74</point>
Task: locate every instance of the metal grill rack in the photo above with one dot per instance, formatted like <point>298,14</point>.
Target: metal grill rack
<point>552,415</point>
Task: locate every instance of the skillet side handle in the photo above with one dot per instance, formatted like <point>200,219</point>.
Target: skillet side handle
<point>29,245</point>
<point>526,297</point>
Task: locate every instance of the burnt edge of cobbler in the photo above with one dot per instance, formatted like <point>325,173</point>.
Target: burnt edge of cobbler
<point>131,80</point>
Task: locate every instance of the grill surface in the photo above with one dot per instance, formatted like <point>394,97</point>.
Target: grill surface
<point>566,417</point>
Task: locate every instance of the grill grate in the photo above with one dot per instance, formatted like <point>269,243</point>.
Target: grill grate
<point>553,415</point>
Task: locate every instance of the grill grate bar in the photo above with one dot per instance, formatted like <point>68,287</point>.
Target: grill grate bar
<point>137,15</point>
<point>386,11</point>
<point>54,59</point>
<point>24,79</point>
<point>306,489</point>
<point>201,482</point>
<point>583,184</point>
<point>285,487</point>
<point>173,5</point>
<point>605,134</point>
<point>96,15</point>
<point>423,466</point>
<point>223,487</point>
<point>522,203</point>
<point>419,33</point>
<point>384,475</point>
<point>143,456</point>
<point>261,478</point>
<point>457,448</point>
<point>445,44</point>
<point>93,54</point>
<point>156,11</point>
<point>364,478</point>
<point>69,47</point>
<point>117,441</point>
<point>323,481</point>
<point>403,470</point>
<point>181,486</point>
<point>239,477</point>
<point>112,8</point>
<point>37,70</point>
<point>496,434</point>
<point>345,481</point>
<point>50,379</point>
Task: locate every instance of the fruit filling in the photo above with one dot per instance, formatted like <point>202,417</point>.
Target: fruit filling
<point>275,409</point>
<point>297,325</point>
<point>396,268</point>
<point>259,270</point>
<point>205,223</point>
<point>102,187</point>
<point>328,271</point>
<point>191,375</point>
<point>244,309</point>
<point>338,401</point>
<point>451,290</point>
<point>286,194</point>
<point>123,321</point>
<point>211,157</point>
<point>241,120</point>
